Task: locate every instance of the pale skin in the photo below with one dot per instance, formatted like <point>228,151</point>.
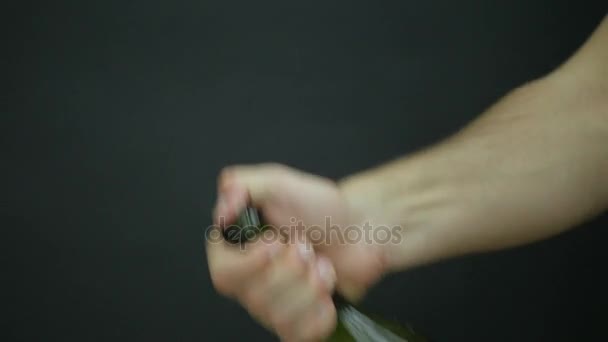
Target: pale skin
<point>532,166</point>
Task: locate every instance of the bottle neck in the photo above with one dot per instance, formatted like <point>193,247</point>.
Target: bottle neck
<point>340,301</point>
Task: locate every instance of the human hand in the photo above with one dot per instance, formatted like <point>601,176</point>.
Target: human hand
<point>286,282</point>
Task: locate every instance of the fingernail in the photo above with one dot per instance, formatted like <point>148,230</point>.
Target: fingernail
<point>305,251</point>
<point>326,272</point>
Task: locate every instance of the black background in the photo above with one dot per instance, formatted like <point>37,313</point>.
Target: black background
<point>117,116</point>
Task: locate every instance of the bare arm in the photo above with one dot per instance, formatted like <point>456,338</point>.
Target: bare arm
<point>531,166</point>
<point>534,165</point>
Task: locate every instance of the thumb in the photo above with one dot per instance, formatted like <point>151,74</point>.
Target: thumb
<point>242,185</point>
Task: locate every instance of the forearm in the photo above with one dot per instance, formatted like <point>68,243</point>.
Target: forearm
<point>533,165</point>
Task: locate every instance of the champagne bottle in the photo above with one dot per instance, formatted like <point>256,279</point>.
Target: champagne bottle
<point>352,323</point>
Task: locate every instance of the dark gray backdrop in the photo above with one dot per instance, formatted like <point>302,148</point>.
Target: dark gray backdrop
<point>117,115</point>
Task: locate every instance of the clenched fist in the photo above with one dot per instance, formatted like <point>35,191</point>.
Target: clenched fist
<point>286,282</point>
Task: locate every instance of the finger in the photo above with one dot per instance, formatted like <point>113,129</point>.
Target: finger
<point>231,266</point>
<point>286,292</point>
<point>297,301</point>
<point>318,323</point>
<point>305,297</point>
<point>287,269</point>
<point>308,295</point>
<point>230,203</point>
<point>260,180</point>
<point>325,274</point>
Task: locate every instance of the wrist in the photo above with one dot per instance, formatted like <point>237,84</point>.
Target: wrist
<point>415,198</point>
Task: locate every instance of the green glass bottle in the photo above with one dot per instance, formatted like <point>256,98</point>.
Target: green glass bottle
<point>353,324</point>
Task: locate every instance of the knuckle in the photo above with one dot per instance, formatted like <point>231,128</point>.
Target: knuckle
<point>279,283</point>
<point>274,166</point>
<point>258,259</point>
<point>326,328</point>
<point>278,172</point>
<point>221,282</point>
<point>299,272</point>
<point>320,329</point>
<point>317,289</point>
<point>295,270</point>
<point>226,173</point>
<point>312,333</point>
<point>254,302</point>
<point>281,324</point>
